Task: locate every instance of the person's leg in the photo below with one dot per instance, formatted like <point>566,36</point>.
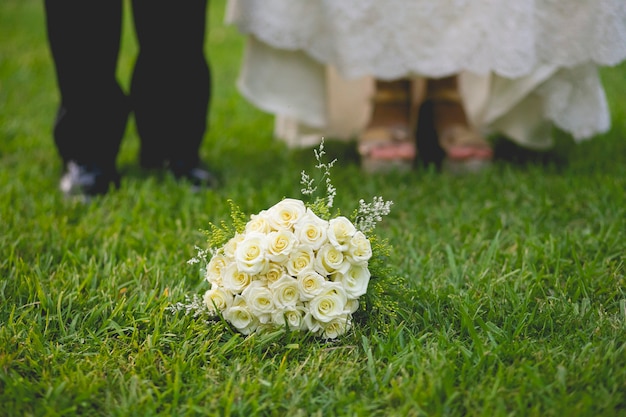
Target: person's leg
<point>450,138</point>
<point>171,83</point>
<point>84,41</point>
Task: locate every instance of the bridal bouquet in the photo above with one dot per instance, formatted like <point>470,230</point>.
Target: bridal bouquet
<point>293,265</point>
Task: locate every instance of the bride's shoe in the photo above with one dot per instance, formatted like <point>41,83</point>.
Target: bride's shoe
<point>387,143</point>
<point>461,147</point>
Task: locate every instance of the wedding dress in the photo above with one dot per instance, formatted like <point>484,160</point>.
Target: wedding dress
<point>524,65</point>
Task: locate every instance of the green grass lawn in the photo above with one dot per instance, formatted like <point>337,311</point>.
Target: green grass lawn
<point>517,301</point>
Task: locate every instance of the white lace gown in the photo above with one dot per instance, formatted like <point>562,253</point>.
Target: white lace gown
<point>524,64</point>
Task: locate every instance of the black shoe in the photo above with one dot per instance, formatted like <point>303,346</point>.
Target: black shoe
<point>87,180</point>
<point>197,175</point>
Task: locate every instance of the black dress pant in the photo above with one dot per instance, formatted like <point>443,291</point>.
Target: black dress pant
<point>170,86</point>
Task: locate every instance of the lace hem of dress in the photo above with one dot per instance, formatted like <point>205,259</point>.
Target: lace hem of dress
<point>440,38</point>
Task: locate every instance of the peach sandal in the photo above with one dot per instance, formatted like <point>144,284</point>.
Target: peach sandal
<point>387,143</point>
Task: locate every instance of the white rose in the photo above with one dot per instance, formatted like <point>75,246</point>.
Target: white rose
<point>258,223</point>
<point>235,280</point>
<point>231,246</point>
<point>286,293</point>
<point>240,316</point>
<point>217,299</point>
<point>351,306</point>
<point>279,244</point>
<point>259,300</point>
<point>311,230</point>
<point>354,280</point>
<point>359,249</point>
<point>329,260</point>
<point>300,260</point>
<point>311,324</point>
<point>290,316</point>
<point>215,267</point>
<point>274,272</point>
<point>310,284</point>
<point>336,327</point>
<point>340,231</point>
<point>329,304</point>
<point>250,254</point>
<point>286,213</point>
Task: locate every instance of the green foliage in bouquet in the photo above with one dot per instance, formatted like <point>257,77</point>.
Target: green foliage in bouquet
<point>381,306</point>
<point>218,235</point>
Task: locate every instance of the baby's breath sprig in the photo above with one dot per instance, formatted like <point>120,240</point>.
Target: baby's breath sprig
<point>308,183</point>
<point>308,187</point>
<point>369,214</point>
<point>201,256</point>
<point>192,305</point>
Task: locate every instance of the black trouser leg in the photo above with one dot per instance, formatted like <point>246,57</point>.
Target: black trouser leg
<point>84,40</point>
<point>171,83</point>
